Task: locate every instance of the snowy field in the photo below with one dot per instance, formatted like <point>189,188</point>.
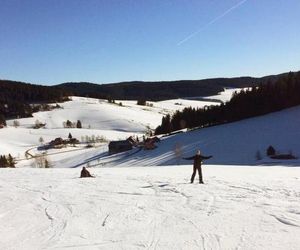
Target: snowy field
<point>98,118</point>
<point>223,96</point>
<point>142,199</point>
<point>226,95</point>
<point>230,144</point>
<point>150,208</point>
<point>233,143</point>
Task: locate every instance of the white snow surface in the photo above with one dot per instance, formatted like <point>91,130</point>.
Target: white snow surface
<point>230,144</point>
<point>225,95</point>
<point>143,199</point>
<point>98,118</point>
<point>150,208</point>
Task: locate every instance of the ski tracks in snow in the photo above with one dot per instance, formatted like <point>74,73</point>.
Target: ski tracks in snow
<point>135,208</point>
<point>59,214</point>
<point>181,202</point>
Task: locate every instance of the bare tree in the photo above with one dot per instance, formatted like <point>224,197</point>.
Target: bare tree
<point>41,161</point>
<point>258,155</point>
<point>178,152</point>
<point>37,124</point>
<point>16,123</point>
<point>93,139</point>
<point>41,140</point>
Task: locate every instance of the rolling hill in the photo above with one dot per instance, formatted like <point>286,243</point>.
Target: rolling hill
<point>143,199</point>
<point>163,90</point>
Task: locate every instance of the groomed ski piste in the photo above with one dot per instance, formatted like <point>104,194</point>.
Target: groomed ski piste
<point>143,199</point>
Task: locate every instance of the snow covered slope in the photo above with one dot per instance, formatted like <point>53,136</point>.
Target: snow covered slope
<point>95,114</point>
<point>130,206</point>
<point>225,95</point>
<point>150,208</point>
<point>234,143</point>
<point>98,118</point>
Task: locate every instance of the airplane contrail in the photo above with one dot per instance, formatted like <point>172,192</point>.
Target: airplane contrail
<point>212,22</point>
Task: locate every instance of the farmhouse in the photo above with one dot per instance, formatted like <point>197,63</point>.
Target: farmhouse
<point>119,146</point>
<point>56,142</point>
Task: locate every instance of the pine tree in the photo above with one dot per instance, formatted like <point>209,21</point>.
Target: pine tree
<point>68,124</point>
<point>270,151</point>
<point>2,120</point>
<point>47,163</point>
<point>3,162</point>
<point>11,162</point>
<point>78,125</point>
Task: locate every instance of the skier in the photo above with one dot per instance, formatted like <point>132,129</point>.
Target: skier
<point>197,165</point>
<point>85,173</point>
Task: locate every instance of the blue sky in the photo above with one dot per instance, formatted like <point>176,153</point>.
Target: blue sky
<point>102,41</point>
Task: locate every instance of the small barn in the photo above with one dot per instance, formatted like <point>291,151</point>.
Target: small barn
<point>56,142</point>
<point>119,146</point>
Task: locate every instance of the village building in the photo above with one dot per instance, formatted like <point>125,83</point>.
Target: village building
<point>119,146</point>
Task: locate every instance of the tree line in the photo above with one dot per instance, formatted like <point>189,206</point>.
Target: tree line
<point>161,90</point>
<point>259,100</point>
<point>16,97</point>
<point>7,161</point>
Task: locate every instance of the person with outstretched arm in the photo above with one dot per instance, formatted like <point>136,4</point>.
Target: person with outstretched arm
<point>198,158</point>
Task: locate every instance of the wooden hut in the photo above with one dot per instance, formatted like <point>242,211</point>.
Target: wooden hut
<point>119,146</point>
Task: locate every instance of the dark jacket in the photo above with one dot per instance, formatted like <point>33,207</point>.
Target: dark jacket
<point>198,159</point>
<point>85,173</point>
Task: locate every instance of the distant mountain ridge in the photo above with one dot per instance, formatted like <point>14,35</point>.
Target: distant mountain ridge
<point>16,96</point>
<point>132,90</point>
<point>163,90</point>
